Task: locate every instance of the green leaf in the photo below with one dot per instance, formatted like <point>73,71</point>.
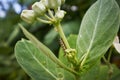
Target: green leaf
<point>98,30</point>
<point>91,74</point>
<point>36,64</point>
<point>100,72</point>
<point>45,50</point>
<point>33,61</point>
<point>103,73</point>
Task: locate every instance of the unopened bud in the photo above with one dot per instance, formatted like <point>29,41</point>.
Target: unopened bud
<point>28,16</point>
<point>71,55</point>
<point>39,8</point>
<point>52,4</point>
<point>60,14</point>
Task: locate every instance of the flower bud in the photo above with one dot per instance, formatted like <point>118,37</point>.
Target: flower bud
<point>28,16</point>
<point>39,8</point>
<point>52,4</point>
<point>60,14</point>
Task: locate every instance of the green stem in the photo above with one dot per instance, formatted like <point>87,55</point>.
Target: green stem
<point>51,14</point>
<point>61,33</point>
<point>84,59</point>
<point>110,53</point>
<point>13,35</point>
<point>49,18</point>
<point>44,21</point>
<point>110,68</point>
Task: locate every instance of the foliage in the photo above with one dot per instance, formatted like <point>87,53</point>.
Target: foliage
<point>96,35</point>
<point>9,28</point>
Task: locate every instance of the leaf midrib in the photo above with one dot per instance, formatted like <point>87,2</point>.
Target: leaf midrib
<point>95,30</point>
<point>34,57</point>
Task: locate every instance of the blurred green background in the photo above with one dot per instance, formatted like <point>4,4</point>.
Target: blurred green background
<point>10,33</point>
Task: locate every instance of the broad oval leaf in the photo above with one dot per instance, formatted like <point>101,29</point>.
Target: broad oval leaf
<point>33,62</point>
<point>98,30</point>
<point>104,73</point>
<point>91,73</point>
<point>37,64</point>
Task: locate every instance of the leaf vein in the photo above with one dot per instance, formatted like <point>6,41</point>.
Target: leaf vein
<point>34,57</point>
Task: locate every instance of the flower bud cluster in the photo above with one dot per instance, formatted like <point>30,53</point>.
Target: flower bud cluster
<point>40,9</point>
<point>52,4</point>
<point>71,56</point>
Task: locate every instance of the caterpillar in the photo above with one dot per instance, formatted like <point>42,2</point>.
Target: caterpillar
<point>62,45</point>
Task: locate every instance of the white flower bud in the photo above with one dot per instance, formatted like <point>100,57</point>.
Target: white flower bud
<point>28,16</point>
<point>39,8</point>
<point>52,4</point>
<point>60,14</point>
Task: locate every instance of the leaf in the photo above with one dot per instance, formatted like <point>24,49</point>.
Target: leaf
<point>116,44</point>
<point>36,63</point>
<point>45,50</point>
<point>29,57</point>
<point>103,73</point>
<point>91,74</point>
<point>100,72</point>
<point>98,30</point>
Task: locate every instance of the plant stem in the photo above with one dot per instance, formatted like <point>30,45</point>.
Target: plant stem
<point>51,14</point>
<point>49,18</point>
<point>110,68</point>
<point>44,21</point>
<point>61,33</point>
<point>13,35</point>
<point>110,53</point>
<point>84,59</point>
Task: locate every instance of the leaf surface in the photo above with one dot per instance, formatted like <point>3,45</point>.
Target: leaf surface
<point>38,65</point>
<point>33,62</point>
<point>91,73</point>
<point>104,70</point>
<point>43,59</point>
<point>98,30</point>
<point>45,50</point>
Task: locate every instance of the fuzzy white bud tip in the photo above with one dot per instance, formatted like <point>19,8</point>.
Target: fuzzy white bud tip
<point>28,16</point>
<point>60,14</point>
<point>39,8</point>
